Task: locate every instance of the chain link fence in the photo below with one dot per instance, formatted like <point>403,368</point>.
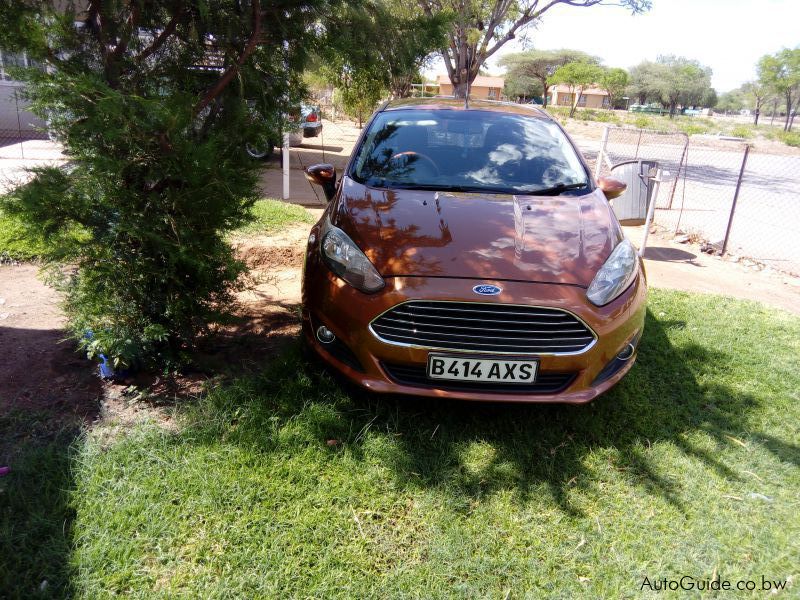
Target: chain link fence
<point>23,138</point>
<point>742,200</point>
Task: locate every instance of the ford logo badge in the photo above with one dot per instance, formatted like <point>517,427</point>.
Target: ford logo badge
<point>487,290</point>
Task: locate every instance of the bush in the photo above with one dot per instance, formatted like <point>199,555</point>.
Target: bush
<point>790,138</point>
<point>692,128</point>
<point>742,131</point>
<point>158,174</point>
<point>642,122</point>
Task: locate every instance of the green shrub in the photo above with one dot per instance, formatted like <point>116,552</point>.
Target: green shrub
<point>742,131</point>
<point>158,176</point>
<point>642,122</point>
<point>790,138</point>
<point>692,128</point>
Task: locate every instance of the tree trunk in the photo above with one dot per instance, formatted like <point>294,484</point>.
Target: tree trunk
<point>788,121</point>
<point>774,109</point>
<point>460,89</point>
<point>544,95</point>
<point>575,104</point>
<point>793,113</point>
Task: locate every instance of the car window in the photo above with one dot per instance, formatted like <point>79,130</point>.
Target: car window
<point>475,150</point>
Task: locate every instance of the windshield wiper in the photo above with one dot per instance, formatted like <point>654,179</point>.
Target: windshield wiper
<point>437,187</point>
<point>556,189</point>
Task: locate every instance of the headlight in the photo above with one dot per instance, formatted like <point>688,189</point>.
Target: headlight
<point>615,275</point>
<point>347,260</point>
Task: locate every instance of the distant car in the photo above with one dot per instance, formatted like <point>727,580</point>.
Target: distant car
<point>469,253</point>
<point>304,122</point>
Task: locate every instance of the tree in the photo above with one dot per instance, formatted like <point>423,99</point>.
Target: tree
<point>481,27</point>
<point>645,82</point>
<point>681,82</point>
<point>732,101</point>
<point>153,102</point>
<point>521,86</point>
<point>755,94</point>
<point>578,76</point>
<point>385,40</point>
<point>359,92</point>
<point>615,82</point>
<point>780,72</point>
<point>539,65</point>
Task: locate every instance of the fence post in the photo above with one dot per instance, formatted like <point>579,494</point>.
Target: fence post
<point>19,125</point>
<point>285,157</point>
<point>735,198</point>
<point>682,166</point>
<point>599,164</point>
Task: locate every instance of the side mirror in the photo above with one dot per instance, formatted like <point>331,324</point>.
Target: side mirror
<point>612,188</point>
<point>323,175</point>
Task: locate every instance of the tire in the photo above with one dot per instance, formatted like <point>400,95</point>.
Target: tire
<point>258,152</point>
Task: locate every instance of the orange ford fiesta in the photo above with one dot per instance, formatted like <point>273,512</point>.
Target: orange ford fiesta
<point>467,252</point>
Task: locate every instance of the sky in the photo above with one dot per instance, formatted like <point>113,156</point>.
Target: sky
<point>727,35</point>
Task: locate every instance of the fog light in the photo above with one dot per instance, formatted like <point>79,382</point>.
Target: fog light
<point>627,352</point>
<point>325,335</point>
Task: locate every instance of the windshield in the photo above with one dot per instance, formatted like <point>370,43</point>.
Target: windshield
<point>468,151</point>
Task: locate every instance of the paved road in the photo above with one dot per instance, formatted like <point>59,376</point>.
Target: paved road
<point>766,224</point>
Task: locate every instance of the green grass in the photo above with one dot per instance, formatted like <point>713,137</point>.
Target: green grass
<point>790,138</point>
<point>680,123</point>
<point>269,216</point>
<point>691,466</point>
<point>16,241</point>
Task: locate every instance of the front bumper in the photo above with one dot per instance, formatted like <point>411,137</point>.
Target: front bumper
<point>329,301</point>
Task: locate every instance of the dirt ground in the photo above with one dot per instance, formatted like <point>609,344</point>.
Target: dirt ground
<point>44,379</point>
<point>43,375</point>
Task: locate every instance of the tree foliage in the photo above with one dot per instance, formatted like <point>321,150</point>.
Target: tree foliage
<point>673,81</point>
<point>614,81</point>
<point>153,101</point>
<point>645,82</point>
<point>481,27</point>
<point>578,76</point>
<point>780,74</point>
<point>378,45</point>
<point>539,66</point>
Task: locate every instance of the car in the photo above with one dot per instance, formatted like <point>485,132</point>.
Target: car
<point>303,122</point>
<point>467,253</point>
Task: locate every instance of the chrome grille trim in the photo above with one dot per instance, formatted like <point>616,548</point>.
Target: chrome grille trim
<point>441,325</point>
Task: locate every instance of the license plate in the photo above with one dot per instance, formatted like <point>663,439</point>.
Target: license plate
<point>481,369</point>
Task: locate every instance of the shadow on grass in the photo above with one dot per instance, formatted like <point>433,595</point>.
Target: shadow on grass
<point>47,394</point>
<point>526,448</point>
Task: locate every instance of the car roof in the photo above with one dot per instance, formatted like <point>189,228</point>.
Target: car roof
<point>452,103</point>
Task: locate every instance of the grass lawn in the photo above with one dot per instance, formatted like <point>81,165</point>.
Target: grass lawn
<point>16,242</point>
<point>270,216</point>
<point>287,485</point>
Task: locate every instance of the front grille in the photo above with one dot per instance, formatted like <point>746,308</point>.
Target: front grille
<point>500,328</point>
<point>416,375</point>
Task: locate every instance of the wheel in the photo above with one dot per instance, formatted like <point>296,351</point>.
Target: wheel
<point>258,151</point>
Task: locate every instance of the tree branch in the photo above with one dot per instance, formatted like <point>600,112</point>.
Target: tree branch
<point>231,71</point>
<point>162,37</point>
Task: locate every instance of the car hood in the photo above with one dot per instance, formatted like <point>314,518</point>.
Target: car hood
<point>548,239</point>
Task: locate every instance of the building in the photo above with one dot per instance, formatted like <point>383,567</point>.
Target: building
<point>591,97</point>
<point>483,88</point>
